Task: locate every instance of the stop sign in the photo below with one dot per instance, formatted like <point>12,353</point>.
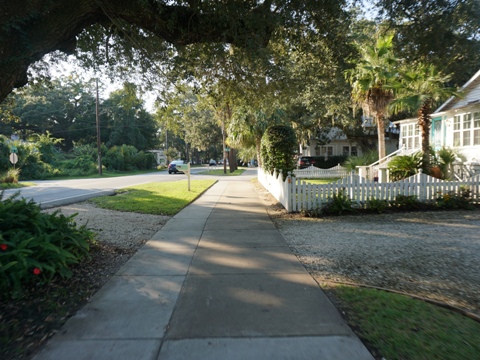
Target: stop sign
<point>13,158</point>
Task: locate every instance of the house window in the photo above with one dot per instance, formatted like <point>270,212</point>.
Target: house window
<point>411,136</point>
<point>327,150</point>
<point>476,128</point>
<point>466,129</point>
<point>456,130</point>
<point>467,125</point>
<point>353,151</point>
<point>317,150</point>
<point>416,138</point>
<point>346,150</point>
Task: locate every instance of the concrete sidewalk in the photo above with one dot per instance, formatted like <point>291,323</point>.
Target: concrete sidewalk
<point>216,282</point>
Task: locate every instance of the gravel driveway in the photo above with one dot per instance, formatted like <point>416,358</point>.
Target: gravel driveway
<point>431,254</point>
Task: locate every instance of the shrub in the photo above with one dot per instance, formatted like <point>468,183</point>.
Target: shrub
<point>127,158</point>
<point>277,149</point>
<point>337,205</point>
<point>365,159</point>
<point>11,176</point>
<point>453,200</point>
<point>376,205</point>
<point>80,165</point>
<point>403,202</point>
<point>330,162</point>
<point>404,166</point>
<point>35,246</point>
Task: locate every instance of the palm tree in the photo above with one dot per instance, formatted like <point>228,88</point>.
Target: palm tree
<point>420,89</point>
<point>371,82</point>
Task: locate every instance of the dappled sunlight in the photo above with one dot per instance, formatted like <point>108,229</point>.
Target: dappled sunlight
<point>255,297</point>
<point>216,246</point>
<point>440,223</point>
<point>301,280</point>
<point>234,262</point>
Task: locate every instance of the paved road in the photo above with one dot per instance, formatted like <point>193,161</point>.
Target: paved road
<point>50,193</point>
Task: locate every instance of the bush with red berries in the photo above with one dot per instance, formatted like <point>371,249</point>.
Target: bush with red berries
<point>36,246</point>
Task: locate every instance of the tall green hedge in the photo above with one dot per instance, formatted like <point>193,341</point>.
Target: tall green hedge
<point>278,148</point>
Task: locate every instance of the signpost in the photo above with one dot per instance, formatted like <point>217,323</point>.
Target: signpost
<point>13,159</point>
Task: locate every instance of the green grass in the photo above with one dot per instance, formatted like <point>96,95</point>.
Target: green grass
<point>321,181</point>
<point>4,186</point>
<point>400,327</point>
<point>219,172</point>
<point>159,198</point>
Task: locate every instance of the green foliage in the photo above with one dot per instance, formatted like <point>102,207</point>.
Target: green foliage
<point>365,159</point>
<point>339,204</point>
<point>330,162</point>
<point>127,158</point>
<point>455,200</point>
<point>376,205</point>
<point>444,158</point>
<point>277,150</point>
<point>406,203</point>
<point>404,166</point>
<point>78,166</point>
<point>10,177</point>
<point>36,246</point>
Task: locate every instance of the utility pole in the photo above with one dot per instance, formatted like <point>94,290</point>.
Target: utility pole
<point>224,149</point>
<point>99,145</point>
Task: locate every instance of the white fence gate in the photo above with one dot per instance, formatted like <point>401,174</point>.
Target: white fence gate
<point>313,172</point>
<point>298,195</point>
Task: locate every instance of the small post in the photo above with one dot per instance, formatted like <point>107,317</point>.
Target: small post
<point>99,144</point>
<point>188,175</point>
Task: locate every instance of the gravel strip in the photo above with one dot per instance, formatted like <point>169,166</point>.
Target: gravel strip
<point>431,254</point>
<point>125,230</point>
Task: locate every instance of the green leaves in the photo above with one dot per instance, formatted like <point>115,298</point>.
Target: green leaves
<point>36,246</point>
<point>277,149</point>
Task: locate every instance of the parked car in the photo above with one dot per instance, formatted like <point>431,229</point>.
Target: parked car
<point>305,161</point>
<point>212,163</point>
<point>175,167</point>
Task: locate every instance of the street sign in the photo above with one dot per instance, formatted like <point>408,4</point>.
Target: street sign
<point>13,158</point>
<point>13,149</point>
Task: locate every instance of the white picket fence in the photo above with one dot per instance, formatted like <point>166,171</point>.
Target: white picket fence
<point>297,195</point>
<point>313,172</point>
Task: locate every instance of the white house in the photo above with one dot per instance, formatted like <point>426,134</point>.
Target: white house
<point>336,143</point>
<point>455,124</point>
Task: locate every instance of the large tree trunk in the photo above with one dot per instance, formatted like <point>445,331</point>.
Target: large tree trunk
<point>381,137</point>
<point>424,122</point>
<point>258,142</point>
<point>29,29</point>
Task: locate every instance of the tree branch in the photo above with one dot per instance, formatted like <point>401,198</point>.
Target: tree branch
<point>29,29</point>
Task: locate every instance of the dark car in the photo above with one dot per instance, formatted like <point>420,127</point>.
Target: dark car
<point>305,161</point>
<point>174,167</point>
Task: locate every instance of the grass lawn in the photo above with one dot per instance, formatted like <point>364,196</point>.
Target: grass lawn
<point>219,172</point>
<point>159,198</point>
<point>400,327</point>
<point>4,186</point>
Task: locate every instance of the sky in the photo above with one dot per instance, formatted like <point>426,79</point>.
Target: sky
<point>106,85</point>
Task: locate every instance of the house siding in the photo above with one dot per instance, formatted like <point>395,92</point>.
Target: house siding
<point>456,124</point>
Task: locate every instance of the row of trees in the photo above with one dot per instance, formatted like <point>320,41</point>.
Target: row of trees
<point>66,109</point>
